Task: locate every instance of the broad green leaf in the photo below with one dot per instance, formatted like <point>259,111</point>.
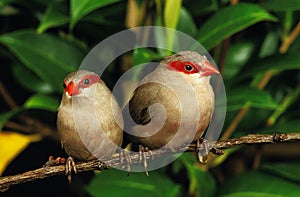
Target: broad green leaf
<point>40,101</point>
<point>186,23</point>
<point>270,45</point>
<point>115,183</point>
<point>201,182</point>
<point>55,15</point>
<point>30,80</point>
<point>229,21</point>
<point>279,5</point>
<point>49,57</point>
<point>287,170</point>
<point>238,98</point>
<point>80,8</point>
<point>257,183</point>
<point>275,63</point>
<point>238,55</point>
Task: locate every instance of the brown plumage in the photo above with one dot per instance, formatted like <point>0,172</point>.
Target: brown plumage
<point>87,118</point>
<point>173,104</point>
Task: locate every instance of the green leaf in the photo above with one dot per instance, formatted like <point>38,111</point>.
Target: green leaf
<point>238,98</point>
<point>229,21</point>
<point>171,16</point>
<point>4,117</point>
<point>115,183</point>
<point>6,9</point>
<point>49,57</point>
<point>144,55</point>
<point>200,8</point>
<point>201,183</point>
<point>290,170</point>
<point>257,183</point>
<point>80,8</point>
<point>55,15</point>
<point>237,56</point>
<point>40,101</point>
<point>275,63</point>
<point>279,5</point>
<point>106,16</point>
<point>186,23</point>
<point>270,45</point>
<point>30,80</point>
<point>290,126</point>
<point>4,2</point>
<point>171,13</point>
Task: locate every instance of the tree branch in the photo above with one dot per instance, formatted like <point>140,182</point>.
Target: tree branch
<point>44,172</point>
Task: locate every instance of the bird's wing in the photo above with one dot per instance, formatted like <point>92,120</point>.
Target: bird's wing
<point>143,97</point>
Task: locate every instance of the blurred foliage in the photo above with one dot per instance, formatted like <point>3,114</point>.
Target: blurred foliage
<point>254,43</point>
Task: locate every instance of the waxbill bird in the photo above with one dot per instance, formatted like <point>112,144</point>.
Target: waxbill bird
<point>173,104</point>
<point>89,119</point>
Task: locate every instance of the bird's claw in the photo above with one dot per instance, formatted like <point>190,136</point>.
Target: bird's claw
<point>143,157</point>
<point>70,166</point>
<point>203,147</point>
<point>103,166</point>
<point>54,162</point>
<point>124,154</point>
<point>202,150</point>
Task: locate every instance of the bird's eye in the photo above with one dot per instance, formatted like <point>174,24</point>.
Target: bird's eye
<point>86,82</point>
<point>188,67</point>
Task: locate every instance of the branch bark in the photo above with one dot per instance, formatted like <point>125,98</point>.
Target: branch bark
<point>44,172</point>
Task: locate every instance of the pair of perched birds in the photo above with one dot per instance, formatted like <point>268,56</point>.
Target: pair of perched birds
<point>171,107</point>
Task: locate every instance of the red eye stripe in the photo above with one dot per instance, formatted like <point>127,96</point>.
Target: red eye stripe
<point>185,67</point>
<point>88,80</point>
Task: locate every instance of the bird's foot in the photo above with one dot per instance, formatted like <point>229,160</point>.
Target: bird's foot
<point>55,161</point>
<point>124,155</point>
<point>203,147</point>
<point>70,166</point>
<point>143,157</point>
<point>202,150</point>
<point>103,166</point>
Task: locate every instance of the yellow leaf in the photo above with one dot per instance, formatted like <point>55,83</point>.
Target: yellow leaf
<point>12,144</point>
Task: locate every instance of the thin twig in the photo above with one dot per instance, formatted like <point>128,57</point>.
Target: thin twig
<point>290,39</point>
<point>234,123</point>
<point>262,83</point>
<point>31,125</point>
<point>7,97</point>
<point>223,56</point>
<point>41,173</point>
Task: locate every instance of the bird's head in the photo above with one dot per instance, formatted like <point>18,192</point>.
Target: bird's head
<point>190,63</point>
<point>79,82</point>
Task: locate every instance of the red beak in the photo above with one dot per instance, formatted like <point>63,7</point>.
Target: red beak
<point>209,69</point>
<point>72,89</point>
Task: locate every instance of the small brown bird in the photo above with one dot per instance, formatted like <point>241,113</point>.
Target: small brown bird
<point>89,119</point>
<point>174,104</point>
